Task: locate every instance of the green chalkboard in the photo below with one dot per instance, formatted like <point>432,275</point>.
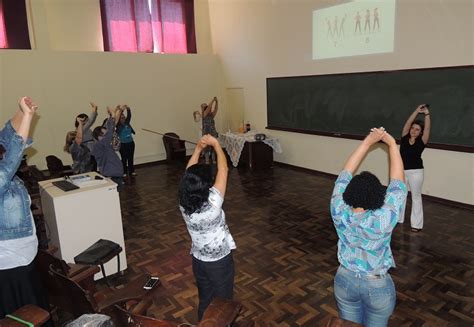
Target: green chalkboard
<point>348,105</point>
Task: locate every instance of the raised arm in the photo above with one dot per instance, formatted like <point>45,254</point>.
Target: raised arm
<point>29,109</point>
<point>222,169</point>
<point>79,129</point>
<point>411,119</point>
<point>216,107</point>
<point>208,109</point>
<point>197,152</point>
<point>426,131</point>
<point>396,163</point>
<point>93,116</point>
<point>116,114</point>
<point>359,153</point>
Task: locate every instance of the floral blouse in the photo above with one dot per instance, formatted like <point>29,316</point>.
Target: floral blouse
<point>211,238</point>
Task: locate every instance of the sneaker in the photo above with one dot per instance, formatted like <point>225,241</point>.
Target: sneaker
<point>124,175</point>
<point>416,230</point>
<point>134,174</point>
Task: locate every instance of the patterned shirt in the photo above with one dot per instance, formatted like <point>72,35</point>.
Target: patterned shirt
<point>211,239</point>
<point>364,237</point>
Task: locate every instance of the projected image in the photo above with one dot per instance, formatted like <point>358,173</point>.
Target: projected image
<point>355,28</point>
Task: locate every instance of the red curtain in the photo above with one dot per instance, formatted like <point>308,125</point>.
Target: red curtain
<point>165,26</point>
<point>126,25</point>
<point>14,25</point>
<point>3,33</point>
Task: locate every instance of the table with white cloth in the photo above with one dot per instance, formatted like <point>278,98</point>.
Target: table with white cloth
<point>243,150</point>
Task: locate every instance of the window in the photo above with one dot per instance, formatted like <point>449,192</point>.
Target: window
<point>13,25</point>
<point>160,26</point>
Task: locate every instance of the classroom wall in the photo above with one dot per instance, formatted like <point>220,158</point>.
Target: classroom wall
<point>68,68</point>
<point>256,39</point>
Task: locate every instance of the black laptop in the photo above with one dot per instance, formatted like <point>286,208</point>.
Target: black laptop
<point>65,185</point>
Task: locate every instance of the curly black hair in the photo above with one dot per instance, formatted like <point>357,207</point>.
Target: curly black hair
<point>194,188</point>
<point>365,191</point>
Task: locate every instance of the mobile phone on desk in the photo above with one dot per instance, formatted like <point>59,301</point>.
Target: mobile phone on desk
<point>151,282</point>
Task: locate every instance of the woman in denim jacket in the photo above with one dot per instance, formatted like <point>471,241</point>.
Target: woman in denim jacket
<point>19,282</point>
<point>364,214</point>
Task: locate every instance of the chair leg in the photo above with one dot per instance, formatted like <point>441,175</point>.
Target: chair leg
<point>103,274</point>
<point>118,262</point>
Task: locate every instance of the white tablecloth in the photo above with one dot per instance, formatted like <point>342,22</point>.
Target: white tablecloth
<point>234,143</point>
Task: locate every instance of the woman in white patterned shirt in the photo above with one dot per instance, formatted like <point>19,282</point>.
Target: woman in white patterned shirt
<point>200,202</point>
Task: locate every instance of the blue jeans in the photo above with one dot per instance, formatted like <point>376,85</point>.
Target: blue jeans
<point>213,279</point>
<point>367,300</point>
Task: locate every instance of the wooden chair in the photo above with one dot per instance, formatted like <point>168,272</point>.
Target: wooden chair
<point>76,301</point>
<point>56,167</point>
<point>30,313</point>
<point>81,274</point>
<point>220,313</point>
<point>175,148</point>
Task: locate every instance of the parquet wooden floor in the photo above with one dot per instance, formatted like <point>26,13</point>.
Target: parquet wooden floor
<point>286,250</point>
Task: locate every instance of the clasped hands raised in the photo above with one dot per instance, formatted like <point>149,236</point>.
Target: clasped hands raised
<point>379,134</point>
<point>207,140</point>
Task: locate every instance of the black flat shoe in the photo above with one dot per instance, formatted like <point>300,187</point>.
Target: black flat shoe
<point>416,230</point>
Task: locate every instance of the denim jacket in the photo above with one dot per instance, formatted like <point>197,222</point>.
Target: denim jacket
<point>15,214</point>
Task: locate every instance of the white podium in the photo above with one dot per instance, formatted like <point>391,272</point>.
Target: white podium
<point>77,219</point>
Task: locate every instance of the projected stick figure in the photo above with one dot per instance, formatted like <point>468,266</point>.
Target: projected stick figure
<point>335,27</point>
<point>341,26</point>
<point>329,33</point>
<point>357,20</point>
<point>376,19</point>
<point>367,20</point>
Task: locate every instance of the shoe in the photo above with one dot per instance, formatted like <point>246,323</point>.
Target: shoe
<point>124,175</point>
<point>133,174</point>
<point>416,230</point>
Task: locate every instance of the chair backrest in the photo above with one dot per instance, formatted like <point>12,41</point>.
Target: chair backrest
<point>54,164</point>
<point>220,313</point>
<point>45,260</point>
<point>127,317</point>
<point>73,298</point>
<point>172,140</point>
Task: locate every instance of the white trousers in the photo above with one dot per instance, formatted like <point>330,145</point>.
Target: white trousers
<point>414,179</point>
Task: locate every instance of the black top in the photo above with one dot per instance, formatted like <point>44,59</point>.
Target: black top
<point>411,154</point>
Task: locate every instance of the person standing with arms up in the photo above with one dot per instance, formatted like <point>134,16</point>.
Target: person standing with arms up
<point>127,145</point>
<point>415,136</point>
<point>19,281</point>
<point>200,201</point>
<point>364,214</point>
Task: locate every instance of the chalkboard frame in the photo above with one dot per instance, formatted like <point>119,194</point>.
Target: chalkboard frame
<point>442,146</point>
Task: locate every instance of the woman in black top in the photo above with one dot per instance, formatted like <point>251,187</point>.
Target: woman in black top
<point>415,136</point>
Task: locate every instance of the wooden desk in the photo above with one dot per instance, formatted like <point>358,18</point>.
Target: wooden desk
<point>244,151</point>
<point>256,155</point>
<point>77,219</point>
